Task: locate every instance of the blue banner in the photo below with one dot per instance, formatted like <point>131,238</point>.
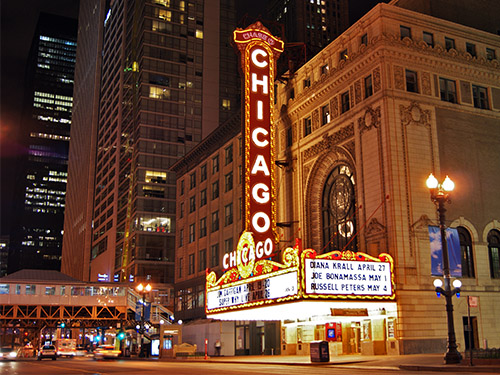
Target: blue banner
<point>454,252</point>
<point>138,311</point>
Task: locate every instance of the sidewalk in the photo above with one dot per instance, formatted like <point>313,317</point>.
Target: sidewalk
<point>415,362</point>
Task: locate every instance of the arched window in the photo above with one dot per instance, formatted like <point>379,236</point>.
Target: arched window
<point>466,252</point>
<point>494,253</point>
<point>338,208</point>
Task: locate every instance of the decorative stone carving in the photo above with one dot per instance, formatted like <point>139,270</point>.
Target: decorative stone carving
<point>374,228</point>
<point>294,133</point>
<point>370,119</point>
<point>306,168</point>
<point>399,79</point>
<point>350,147</point>
<point>422,224</point>
<point>283,140</point>
<point>329,141</point>
<point>357,91</point>
<point>414,114</point>
<point>376,80</point>
<point>334,106</point>
<point>351,95</point>
<point>315,119</point>
<point>426,83</point>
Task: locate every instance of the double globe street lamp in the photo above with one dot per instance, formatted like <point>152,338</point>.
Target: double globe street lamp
<point>143,290</point>
<point>440,194</point>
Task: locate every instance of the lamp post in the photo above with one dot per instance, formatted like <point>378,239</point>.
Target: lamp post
<point>143,290</point>
<point>440,194</point>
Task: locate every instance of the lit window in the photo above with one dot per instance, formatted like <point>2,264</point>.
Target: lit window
<point>325,114</point>
<point>159,92</point>
<point>182,5</point>
<point>156,177</point>
<point>226,104</point>
<point>199,34</point>
<point>165,15</point>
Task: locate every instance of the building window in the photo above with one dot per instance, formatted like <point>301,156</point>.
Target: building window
<point>325,114</point>
<point>228,245</point>
<point>181,237</point>
<point>291,94</point>
<point>203,227</point>
<point>192,180</point>
<point>307,82</point>
<point>229,154</point>
<point>226,104</point>
<point>202,260</point>
<point>215,190</point>
<point>192,233</point>
<point>346,105</point>
<point>338,210</point>
<point>214,255</point>
<point>181,210</point>
<point>411,81</point>
<point>368,86</point>
<point>307,126</point>
<point>192,204</point>
<point>449,43</point>
<point>428,38</point>
<point>364,39</point>
<point>181,188</point>
<point>466,252</point>
<point>228,181</point>
<point>228,214</point>
<point>448,90</point>
<point>203,172</point>
<point>494,253</point>
<point>325,69</point>
<point>490,54</point>
<point>191,264</point>
<point>471,48</point>
<point>181,265</point>
<point>159,92</point>
<point>203,197</point>
<point>480,96</point>
<point>343,55</point>
<point>405,32</point>
<point>215,164</point>
<point>215,221</point>
<point>30,290</point>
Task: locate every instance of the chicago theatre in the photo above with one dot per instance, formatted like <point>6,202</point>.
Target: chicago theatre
<point>307,218</point>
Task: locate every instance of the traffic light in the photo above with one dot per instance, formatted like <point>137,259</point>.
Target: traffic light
<point>121,335</point>
<point>63,325</point>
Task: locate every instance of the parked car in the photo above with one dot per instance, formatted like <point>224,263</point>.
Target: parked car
<point>7,354</point>
<point>106,351</point>
<point>47,351</point>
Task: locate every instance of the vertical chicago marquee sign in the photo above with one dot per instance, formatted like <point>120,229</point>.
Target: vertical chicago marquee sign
<point>259,51</point>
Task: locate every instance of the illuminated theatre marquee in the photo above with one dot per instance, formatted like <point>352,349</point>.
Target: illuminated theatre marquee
<point>251,279</point>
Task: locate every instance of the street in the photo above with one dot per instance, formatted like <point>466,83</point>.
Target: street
<point>133,367</point>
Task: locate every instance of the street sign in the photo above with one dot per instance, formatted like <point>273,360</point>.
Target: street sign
<point>472,301</point>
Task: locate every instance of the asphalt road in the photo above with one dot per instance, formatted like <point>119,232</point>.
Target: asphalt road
<point>135,367</point>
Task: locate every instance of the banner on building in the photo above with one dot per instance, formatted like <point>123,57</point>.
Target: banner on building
<point>454,252</point>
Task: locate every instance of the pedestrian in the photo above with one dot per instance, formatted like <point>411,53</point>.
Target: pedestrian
<point>217,347</point>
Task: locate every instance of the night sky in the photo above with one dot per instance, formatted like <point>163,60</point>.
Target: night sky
<point>18,22</point>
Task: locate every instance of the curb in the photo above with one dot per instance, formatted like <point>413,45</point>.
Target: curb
<point>487,369</point>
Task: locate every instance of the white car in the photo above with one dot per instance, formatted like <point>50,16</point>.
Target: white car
<point>106,351</point>
<point>7,354</point>
<point>47,351</point>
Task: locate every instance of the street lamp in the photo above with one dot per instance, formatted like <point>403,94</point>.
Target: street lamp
<point>143,289</point>
<point>440,194</point>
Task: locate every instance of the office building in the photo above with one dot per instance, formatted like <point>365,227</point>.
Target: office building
<point>168,76</point>
<point>37,220</point>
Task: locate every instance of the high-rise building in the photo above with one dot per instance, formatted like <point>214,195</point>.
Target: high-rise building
<point>168,77</point>
<point>313,22</point>
<point>37,220</point>
<point>77,237</point>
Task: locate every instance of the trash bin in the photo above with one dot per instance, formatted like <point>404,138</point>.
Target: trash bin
<point>319,351</point>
